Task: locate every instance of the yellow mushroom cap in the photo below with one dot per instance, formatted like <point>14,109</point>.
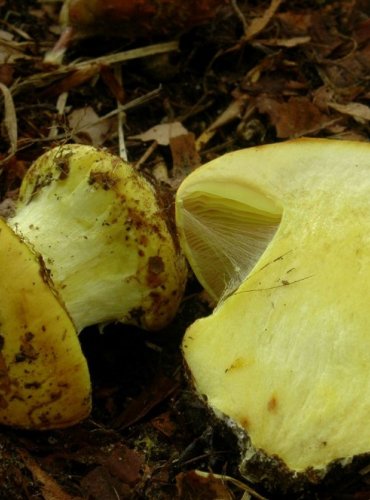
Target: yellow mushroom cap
<point>280,235</point>
<point>44,378</point>
<point>104,237</point>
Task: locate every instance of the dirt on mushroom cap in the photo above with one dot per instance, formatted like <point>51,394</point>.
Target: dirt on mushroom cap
<point>44,379</point>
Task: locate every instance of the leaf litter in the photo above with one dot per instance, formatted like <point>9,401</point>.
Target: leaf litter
<point>251,72</point>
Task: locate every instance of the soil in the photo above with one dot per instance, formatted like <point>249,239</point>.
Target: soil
<point>250,73</point>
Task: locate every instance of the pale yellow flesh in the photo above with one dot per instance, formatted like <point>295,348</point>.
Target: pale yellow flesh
<point>287,357</point>
<point>44,379</point>
<point>103,236</point>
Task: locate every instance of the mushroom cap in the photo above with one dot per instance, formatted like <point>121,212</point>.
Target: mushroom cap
<point>286,353</point>
<point>44,378</point>
<point>104,236</point>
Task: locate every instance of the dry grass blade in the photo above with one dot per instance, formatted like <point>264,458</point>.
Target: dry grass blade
<point>43,79</point>
<point>258,24</point>
<point>10,118</point>
<point>358,111</point>
<point>49,487</point>
<point>239,484</point>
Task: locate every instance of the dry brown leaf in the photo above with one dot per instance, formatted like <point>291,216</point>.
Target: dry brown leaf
<point>294,118</point>
<point>10,51</point>
<point>286,42</point>
<point>258,24</point>
<point>49,487</point>
<point>87,126</point>
<point>185,157</point>
<point>233,111</point>
<point>296,23</point>
<point>192,486</point>
<point>153,394</point>
<point>10,118</point>
<point>74,79</point>
<point>162,133</point>
<point>7,74</point>
<point>100,484</point>
<point>358,111</point>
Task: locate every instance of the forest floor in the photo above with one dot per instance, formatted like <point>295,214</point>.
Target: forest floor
<point>253,73</point>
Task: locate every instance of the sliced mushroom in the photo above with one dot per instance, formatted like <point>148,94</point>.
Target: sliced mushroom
<point>279,234</point>
<point>44,379</point>
<point>104,237</point>
<point>89,243</point>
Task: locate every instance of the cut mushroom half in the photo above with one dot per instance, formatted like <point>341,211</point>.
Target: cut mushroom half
<point>44,379</point>
<point>279,235</point>
<point>90,243</point>
<point>104,236</point>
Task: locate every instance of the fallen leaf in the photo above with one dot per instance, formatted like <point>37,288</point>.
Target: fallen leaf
<point>6,74</point>
<point>153,394</point>
<point>286,42</point>
<point>126,464</point>
<point>164,424</point>
<point>162,133</point>
<point>87,127</point>
<point>75,78</point>
<point>49,487</point>
<point>9,51</point>
<point>233,111</point>
<point>10,118</point>
<point>296,117</point>
<point>185,157</point>
<point>358,111</point>
<point>192,486</point>
<point>295,23</point>
<point>99,484</point>
<point>258,24</point>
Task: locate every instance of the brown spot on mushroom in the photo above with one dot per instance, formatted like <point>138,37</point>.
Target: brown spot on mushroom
<point>244,422</point>
<point>237,363</point>
<point>272,404</point>
<point>5,381</point>
<point>40,182</point>
<point>143,240</point>
<point>33,385</point>
<point>155,271</point>
<point>26,351</point>
<point>3,402</point>
<point>136,314</point>
<point>44,271</point>
<point>106,180</point>
<point>62,164</point>
<point>135,218</point>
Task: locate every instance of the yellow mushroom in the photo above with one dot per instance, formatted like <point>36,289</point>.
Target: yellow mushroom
<point>104,238</point>
<point>44,379</point>
<point>90,243</point>
<point>279,235</point>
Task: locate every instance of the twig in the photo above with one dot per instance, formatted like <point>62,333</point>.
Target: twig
<point>146,155</point>
<point>43,79</point>
<point>10,118</point>
<point>121,120</point>
<point>240,15</point>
